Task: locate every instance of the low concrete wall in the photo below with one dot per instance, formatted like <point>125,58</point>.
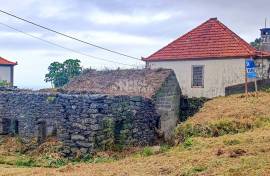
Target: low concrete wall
<point>240,88</point>
<point>84,123</point>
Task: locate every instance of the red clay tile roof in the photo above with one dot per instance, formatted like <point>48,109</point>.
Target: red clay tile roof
<point>212,39</point>
<point>6,62</point>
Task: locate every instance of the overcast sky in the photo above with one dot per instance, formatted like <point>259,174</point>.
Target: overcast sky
<point>137,28</point>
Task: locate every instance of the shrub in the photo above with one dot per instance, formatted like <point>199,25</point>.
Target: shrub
<point>194,171</point>
<point>51,99</point>
<point>190,106</point>
<point>197,169</point>
<point>188,143</point>
<point>26,163</point>
<point>164,148</point>
<point>218,127</point>
<point>56,163</point>
<point>4,84</point>
<point>147,151</point>
<point>231,142</point>
<point>103,160</point>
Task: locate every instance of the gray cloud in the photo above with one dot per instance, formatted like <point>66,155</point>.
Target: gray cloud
<point>135,27</point>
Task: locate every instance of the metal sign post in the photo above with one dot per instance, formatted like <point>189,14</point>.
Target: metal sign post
<point>246,84</point>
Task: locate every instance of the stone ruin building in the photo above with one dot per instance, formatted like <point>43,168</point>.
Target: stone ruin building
<point>97,110</point>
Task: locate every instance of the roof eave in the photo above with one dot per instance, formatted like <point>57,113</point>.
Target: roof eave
<point>198,58</point>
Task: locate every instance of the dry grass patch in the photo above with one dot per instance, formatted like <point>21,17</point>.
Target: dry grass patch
<point>250,155</point>
<point>227,115</point>
<point>14,152</point>
<point>229,136</point>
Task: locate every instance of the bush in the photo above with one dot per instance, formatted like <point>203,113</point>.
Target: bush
<point>147,151</point>
<point>188,143</point>
<point>190,106</point>
<point>231,142</point>
<point>164,148</point>
<point>4,84</point>
<point>217,128</point>
<point>26,163</point>
<point>56,163</point>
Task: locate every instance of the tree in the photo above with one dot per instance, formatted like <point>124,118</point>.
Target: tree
<point>60,73</point>
<point>256,44</point>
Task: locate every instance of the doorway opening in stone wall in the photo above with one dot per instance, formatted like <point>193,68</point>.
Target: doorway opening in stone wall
<point>42,131</point>
<point>51,131</point>
<point>118,139</point>
<point>6,123</point>
<point>16,127</point>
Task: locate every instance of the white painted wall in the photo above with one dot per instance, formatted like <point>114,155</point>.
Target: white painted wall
<point>218,74</point>
<point>5,73</point>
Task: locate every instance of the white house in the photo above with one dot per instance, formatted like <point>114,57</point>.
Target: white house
<point>7,70</point>
<point>207,59</point>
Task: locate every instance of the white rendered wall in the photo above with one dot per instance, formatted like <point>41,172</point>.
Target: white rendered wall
<point>218,74</point>
<point>5,73</point>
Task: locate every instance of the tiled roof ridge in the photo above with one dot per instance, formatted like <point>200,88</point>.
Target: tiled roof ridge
<point>182,36</point>
<point>237,38</point>
<point>211,39</point>
<point>4,61</point>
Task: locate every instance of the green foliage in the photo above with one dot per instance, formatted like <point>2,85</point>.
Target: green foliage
<point>60,73</point>
<point>87,158</point>
<point>4,83</point>
<point>197,169</point>
<point>256,43</point>
<point>164,148</point>
<point>26,162</point>
<point>231,142</point>
<point>190,106</point>
<point>217,128</point>
<point>93,159</point>
<point>194,170</point>
<point>50,99</point>
<point>188,143</point>
<point>103,160</point>
<point>108,126</point>
<point>56,163</point>
<point>147,151</point>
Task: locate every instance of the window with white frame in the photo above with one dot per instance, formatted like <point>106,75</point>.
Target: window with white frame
<point>197,76</point>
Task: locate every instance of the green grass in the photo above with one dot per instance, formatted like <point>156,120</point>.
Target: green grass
<point>147,151</point>
<point>218,128</point>
<point>231,142</point>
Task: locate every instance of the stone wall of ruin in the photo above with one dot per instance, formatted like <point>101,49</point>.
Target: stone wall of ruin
<point>83,123</point>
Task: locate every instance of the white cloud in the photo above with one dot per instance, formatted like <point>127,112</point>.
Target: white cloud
<point>135,28</point>
<point>106,38</point>
<point>105,18</point>
<point>56,10</point>
<point>16,35</point>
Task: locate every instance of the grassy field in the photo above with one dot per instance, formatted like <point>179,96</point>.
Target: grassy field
<point>229,136</point>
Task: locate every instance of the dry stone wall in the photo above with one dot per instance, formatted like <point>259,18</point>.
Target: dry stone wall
<point>84,123</point>
<point>167,103</point>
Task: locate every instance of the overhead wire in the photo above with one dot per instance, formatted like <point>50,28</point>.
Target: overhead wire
<point>63,47</point>
<point>68,36</point>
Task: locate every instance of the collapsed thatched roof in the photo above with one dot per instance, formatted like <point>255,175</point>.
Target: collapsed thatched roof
<point>144,82</point>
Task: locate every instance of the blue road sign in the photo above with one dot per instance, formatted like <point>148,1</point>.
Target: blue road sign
<point>250,68</point>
